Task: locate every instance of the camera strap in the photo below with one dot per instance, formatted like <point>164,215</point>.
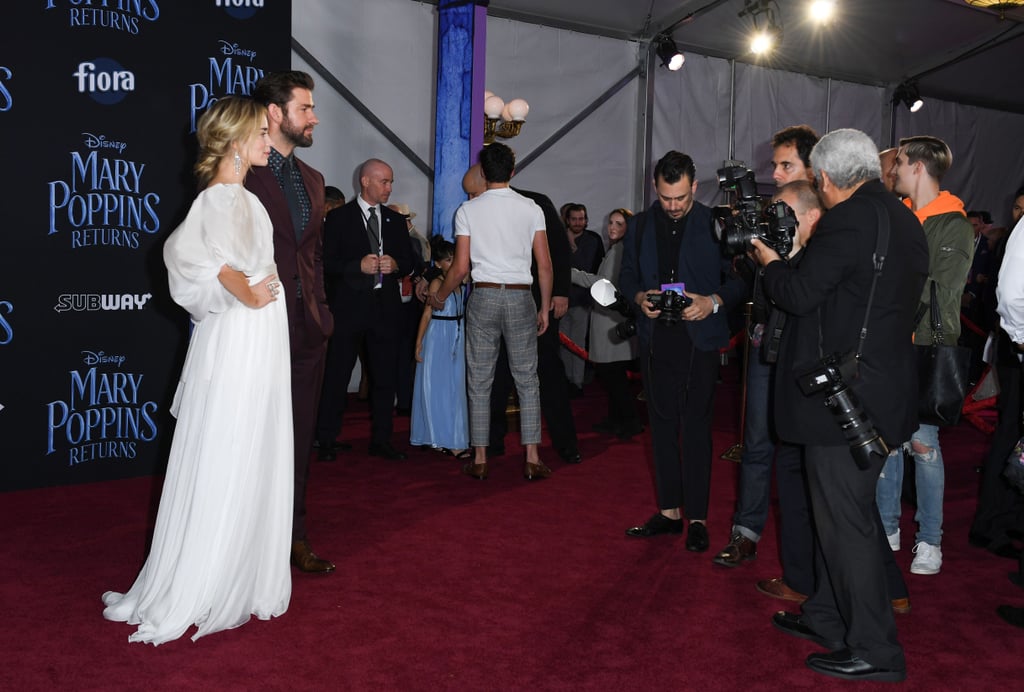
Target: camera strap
<point>878,261</point>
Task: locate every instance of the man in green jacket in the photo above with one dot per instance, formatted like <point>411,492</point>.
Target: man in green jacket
<point>920,164</point>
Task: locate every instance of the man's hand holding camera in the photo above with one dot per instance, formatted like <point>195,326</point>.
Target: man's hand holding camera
<point>690,307</point>
<point>763,254</point>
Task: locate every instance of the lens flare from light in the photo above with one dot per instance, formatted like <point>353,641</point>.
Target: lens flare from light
<point>822,11</point>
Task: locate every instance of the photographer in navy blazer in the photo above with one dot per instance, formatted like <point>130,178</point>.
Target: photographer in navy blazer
<point>673,244</point>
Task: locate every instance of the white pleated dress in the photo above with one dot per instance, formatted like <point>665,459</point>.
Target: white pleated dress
<point>223,530</point>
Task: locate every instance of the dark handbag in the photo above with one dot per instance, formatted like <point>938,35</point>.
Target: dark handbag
<point>942,375</point>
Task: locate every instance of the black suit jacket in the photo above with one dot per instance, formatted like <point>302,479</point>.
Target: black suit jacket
<point>558,247</point>
<point>298,261</point>
<point>701,266</point>
<point>828,294</point>
<point>356,305</point>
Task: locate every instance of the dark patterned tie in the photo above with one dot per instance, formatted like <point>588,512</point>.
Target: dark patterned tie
<point>373,233</point>
<point>292,195</point>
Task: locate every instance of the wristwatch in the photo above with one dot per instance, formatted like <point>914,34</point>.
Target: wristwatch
<point>714,299</point>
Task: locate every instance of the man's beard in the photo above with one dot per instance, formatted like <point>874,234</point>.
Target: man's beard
<point>294,135</point>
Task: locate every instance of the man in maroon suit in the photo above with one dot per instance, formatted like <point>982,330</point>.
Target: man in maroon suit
<point>293,194</point>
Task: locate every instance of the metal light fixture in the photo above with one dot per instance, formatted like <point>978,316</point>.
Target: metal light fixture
<point>502,119</point>
<point>907,94</point>
<point>669,53</point>
<point>998,5</point>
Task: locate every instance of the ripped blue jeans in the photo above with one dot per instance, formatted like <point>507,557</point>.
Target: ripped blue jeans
<point>930,477</point>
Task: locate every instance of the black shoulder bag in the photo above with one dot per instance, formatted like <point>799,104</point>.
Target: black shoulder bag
<point>942,375</point>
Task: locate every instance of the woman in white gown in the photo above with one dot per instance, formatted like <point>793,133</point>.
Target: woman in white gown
<point>223,530</point>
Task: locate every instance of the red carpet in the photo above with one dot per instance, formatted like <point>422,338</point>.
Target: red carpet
<point>448,583</point>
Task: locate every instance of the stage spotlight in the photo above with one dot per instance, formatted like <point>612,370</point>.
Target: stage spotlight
<point>822,11</point>
<point>670,55</point>
<point>907,94</point>
<point>765,40</point>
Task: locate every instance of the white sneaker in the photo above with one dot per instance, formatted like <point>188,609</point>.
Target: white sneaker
<point>894,540</point>
<point>927,560</point>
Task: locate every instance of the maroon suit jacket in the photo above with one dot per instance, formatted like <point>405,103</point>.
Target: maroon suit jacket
<point>298,261</point>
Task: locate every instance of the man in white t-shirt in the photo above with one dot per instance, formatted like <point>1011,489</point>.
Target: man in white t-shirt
<point>495,234</point>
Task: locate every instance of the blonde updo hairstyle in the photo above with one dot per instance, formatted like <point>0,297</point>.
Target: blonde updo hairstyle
<point>229,121</point>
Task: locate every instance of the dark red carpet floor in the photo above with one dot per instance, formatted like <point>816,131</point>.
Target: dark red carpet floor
<point>445,583</point>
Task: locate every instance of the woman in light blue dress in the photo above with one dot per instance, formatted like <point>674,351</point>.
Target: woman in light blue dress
<point>439,413</point>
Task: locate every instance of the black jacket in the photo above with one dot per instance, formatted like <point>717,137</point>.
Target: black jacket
<point>350,293</point>
<point>827,296</point>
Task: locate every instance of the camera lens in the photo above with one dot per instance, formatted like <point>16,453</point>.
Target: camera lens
<point>860,433</point>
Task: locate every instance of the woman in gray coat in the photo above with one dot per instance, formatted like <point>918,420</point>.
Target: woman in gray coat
<point>611,354</point>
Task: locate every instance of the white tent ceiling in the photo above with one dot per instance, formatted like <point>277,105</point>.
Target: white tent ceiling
<point>955,52</point>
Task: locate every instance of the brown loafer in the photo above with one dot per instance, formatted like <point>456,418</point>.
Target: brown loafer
<point>901,606</point>
<point>776,588</point>
<point>740,550</point>
<point>477,471</point>
<point>305,560</point>
<point>536,472</point>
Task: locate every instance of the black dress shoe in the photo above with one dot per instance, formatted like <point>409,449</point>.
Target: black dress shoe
<point>336,446</point>
<point>697,537</point>
<point>657,524</point>
<point>384,449</point>
<point>843,664</point>
<point>739,550</point>
<point>570,455</point>
<point>326,454</point>
<point>627,430</point>
<point>793,624</point>
<point>607,427</point>
<point>1012,615</point>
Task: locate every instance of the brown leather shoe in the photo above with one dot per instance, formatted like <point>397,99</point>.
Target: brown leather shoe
<point>477,471</point>
<point>776,588</point>
<point>901,606</point>
<point>740,550</point>
<point>536,472</point>
<point>305,560</point>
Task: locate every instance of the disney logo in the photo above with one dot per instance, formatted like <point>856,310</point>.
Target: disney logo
<point>100,358</point>
<point>101,142</point>
<point>228,48</point>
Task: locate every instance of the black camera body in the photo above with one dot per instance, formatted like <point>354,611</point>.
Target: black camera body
<point>830,375</point>
<point>671,305</point>
<point>775,226</point>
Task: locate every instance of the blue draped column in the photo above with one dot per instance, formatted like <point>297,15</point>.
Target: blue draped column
<point>459,117</point>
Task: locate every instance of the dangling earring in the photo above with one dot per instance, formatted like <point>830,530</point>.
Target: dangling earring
<point>238,163</point>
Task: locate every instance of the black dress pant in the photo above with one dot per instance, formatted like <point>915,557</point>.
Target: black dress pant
<point>554,392</point>
<point>615,378</point>
<point>680,385</point>
<point>381,347</point>
<point>796,528</point>
<point>852,601</point>
<point>405,365</point>
<point>1001,506</point>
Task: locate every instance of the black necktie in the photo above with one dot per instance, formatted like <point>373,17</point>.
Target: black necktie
<point>373,233</point>
<point>292,195</point>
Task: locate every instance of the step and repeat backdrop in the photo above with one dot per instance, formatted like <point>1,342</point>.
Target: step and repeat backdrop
<point>98,106</point>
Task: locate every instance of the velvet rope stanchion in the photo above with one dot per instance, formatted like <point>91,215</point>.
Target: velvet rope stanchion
<point>735,452</point>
